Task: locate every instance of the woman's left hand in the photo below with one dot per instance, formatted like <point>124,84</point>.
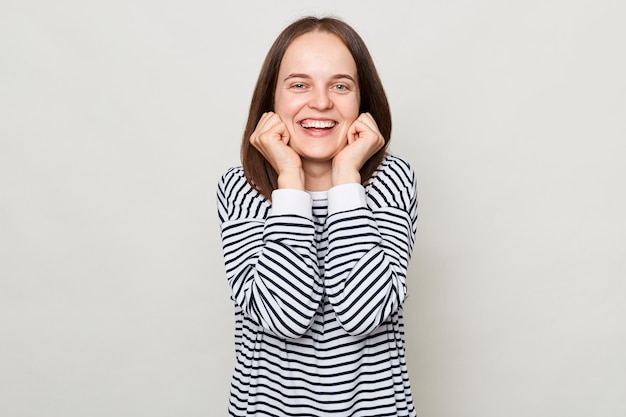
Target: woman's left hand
<point>364,140</point>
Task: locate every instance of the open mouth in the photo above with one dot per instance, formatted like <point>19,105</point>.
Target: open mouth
<point>317,124</point>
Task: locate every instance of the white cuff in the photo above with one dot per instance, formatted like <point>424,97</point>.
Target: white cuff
<point>346,197</point>
<point>291,201</point>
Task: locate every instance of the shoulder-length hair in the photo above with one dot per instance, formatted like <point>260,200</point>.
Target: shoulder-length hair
<point>259,172</point>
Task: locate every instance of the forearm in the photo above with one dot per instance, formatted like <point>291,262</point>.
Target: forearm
<point>269,255</point>
<point>273,272</point>
<point>365,283</point>
<point>368,254</point>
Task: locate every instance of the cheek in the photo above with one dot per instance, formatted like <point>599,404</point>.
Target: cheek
<point>286,106</point>
<point>351,108</point>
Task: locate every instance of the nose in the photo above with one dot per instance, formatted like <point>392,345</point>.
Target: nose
<point>320,99</point>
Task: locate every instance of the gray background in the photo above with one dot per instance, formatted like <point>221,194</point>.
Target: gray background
<point>117,118</point>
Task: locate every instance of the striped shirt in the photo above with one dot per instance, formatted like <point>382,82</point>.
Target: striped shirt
<point>318,280</point>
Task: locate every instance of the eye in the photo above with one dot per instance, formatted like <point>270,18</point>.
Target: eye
<point>342,88</point>
<point>298,86</point>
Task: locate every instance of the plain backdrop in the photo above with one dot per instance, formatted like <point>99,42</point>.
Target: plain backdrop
<point>117,118</point>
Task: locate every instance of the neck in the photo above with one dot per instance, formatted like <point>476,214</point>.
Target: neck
<point>317,176</point>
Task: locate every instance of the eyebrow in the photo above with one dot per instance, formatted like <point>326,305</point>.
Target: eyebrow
<point>334,77</point>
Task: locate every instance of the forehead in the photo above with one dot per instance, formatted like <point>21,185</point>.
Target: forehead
<point>318,52</point>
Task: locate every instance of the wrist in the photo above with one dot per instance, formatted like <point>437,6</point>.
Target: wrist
<point>344,175</point>
<point>293,178</point>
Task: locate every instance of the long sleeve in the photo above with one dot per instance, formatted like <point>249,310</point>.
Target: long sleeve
<point>270,259</point>
<point>369,247</point>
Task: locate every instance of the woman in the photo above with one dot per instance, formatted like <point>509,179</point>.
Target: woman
<point>317,229</point>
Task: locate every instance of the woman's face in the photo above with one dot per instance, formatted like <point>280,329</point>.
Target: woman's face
<point>317,95</point>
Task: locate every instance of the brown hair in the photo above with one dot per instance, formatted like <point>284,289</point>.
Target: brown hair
<point>258,171</point>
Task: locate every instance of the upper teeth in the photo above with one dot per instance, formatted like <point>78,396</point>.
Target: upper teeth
<point>318,124</point>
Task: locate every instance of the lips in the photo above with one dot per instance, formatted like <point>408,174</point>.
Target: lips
<point>317,124</point>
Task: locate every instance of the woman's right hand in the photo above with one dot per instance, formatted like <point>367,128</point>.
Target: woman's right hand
<point>271,138</point>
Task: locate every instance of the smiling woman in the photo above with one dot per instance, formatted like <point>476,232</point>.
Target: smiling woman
<point>317,99</point>
<point>372,97</point>
<point>317,228</point>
